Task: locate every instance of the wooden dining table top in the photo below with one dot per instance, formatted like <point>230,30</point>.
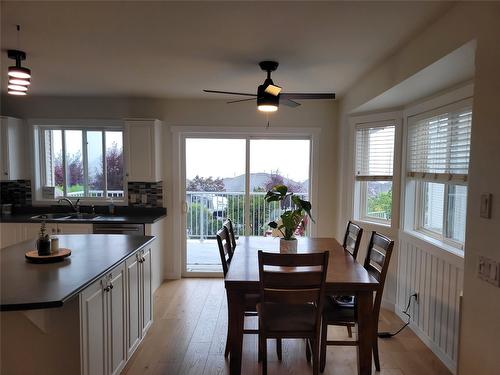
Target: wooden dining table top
<point>345,274</point>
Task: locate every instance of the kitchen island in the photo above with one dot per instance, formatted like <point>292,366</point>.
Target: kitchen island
<point>86,314</point>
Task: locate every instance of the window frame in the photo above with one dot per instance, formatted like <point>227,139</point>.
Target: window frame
<point>412,190</point>
<point>358,197</point>
<point>40,125</point>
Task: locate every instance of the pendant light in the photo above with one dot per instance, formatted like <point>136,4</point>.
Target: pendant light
<point>19,76</point>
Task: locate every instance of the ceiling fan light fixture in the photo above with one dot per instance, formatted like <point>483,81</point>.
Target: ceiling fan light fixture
<point>19,81</point>
<point>14,92</point>
<point>17,88</point>
<point>267,108</point>
<point>19,72</point>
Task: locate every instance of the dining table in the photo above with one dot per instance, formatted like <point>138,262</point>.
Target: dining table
<point>345,276</point>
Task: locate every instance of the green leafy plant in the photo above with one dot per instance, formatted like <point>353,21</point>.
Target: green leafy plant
<point>290,219</point>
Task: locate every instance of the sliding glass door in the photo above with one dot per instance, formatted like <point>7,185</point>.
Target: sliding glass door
<point>228,178</point>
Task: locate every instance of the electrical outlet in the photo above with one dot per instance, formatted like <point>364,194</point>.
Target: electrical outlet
<point>488,270</point>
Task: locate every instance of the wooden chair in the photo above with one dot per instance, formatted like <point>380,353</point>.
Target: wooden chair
<point>376,263</point>
<point>292,293</point>
<point>226,254</point>
<point>229,225</point>
<point>352,238</point>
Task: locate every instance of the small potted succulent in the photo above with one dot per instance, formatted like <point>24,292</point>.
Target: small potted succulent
<point>43,242</point>
<point>290,219</point>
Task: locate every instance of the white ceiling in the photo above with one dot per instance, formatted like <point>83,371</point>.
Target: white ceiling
<point>175,49</point>
<point>455,68</point>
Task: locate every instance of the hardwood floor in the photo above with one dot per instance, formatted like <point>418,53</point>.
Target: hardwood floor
<point>189,332</point>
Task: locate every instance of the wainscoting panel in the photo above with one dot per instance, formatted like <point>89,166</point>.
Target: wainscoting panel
<point>437,276</point>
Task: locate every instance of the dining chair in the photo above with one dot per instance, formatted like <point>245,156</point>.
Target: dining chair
<point>251,299</point>
<point>352,238</point>
<point>376,263</point>
<point>229,225</point>
<point>292,293</point>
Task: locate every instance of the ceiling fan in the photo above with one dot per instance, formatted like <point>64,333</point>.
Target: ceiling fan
<point>269,95</point>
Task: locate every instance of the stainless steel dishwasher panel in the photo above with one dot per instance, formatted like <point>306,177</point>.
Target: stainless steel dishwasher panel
<point>136,229</point>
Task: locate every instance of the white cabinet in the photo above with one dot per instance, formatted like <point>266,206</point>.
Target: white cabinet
<point>74,228</point>
<point>140,312</point>
<point>12,149</point>
<point>10,234</point>
<point>103,324</point>
<point>143,150</point>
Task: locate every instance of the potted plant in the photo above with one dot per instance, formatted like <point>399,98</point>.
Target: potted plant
<point>43,242</point>
<point>289,219</point>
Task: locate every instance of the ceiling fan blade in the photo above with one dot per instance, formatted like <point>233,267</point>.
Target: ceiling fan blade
<point>297,95</point>
<point>273,90</point>
<point>289,103</point>
<point>241,100</point>
<point>229,92</point>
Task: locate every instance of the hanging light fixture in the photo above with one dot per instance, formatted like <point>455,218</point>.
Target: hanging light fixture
<point>19,76</point>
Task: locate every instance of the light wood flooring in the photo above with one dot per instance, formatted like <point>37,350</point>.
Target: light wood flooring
<point>189,332</point>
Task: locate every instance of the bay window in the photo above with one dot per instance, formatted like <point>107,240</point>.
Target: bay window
<point>437,167</point>
<point>374,171</point>
<point>82,162</point>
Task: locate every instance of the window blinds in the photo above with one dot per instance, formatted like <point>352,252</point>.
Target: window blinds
<point>439,146</point>
<point>374,153</point>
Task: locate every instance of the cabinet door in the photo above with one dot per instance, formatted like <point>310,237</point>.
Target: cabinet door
<point>12,140</point>
<point>10,234</point>
<point>147,310</point>
<point>93,329</point>
<point>133,304</point>
<point>4,150</point>
<point>31,230</point>
<point>141,151</point>
<point>117,320</point>
<point>74,228</point>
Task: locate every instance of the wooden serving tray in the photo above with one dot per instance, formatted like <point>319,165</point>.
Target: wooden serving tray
<point>33,257</point>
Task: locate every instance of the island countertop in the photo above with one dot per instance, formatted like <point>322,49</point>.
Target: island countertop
<point>25,286</point>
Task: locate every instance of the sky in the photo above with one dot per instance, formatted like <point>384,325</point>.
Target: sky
<point>226,157</point>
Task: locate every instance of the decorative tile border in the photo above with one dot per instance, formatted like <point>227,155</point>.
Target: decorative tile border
<point>145,194</point>
<point>16,192</point>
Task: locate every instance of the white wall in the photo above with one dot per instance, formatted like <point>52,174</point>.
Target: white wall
<point>479,336</point>
<point>199,112</point>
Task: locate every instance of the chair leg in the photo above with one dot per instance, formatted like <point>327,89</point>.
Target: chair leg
<point>315,353</point>
<point>228,339</point>
<point>324,337</point>
<point>376,359</point>
<point>279,352</point>
<point>308,350</point>
<point>263,346</point>
<point>349,331</point>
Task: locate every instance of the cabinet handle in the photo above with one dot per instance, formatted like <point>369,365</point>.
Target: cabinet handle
<point>53,230</point>
<point>58,230</point>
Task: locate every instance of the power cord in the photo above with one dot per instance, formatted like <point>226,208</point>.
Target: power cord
<point>388,335</point>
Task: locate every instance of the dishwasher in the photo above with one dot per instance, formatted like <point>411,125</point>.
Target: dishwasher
<point>136,229</point>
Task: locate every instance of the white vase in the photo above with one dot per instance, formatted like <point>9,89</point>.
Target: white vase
<point>288,246</point>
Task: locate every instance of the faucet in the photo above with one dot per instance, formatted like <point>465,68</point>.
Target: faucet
<point>75,207</point>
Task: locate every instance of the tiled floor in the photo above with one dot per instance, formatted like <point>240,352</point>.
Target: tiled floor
<point>189,332</point>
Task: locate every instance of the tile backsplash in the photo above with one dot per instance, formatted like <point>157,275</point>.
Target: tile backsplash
<point>145,194</point>
<point>16,192</point>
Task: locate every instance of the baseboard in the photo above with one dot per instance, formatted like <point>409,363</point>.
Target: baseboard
<point>447,361</point>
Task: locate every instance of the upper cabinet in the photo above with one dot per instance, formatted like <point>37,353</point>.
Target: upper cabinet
<point>143,150</point>
<point>13,139</point>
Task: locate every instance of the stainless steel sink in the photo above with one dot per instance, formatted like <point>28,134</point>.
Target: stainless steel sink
<point>82,216</point>
<point>50,217</point>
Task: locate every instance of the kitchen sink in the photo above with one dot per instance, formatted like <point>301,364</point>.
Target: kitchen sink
<point>66,216</point>
<point>50,217</point>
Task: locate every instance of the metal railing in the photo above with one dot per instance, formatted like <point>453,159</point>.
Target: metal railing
<point>208,210</point>
<point>97,194</point>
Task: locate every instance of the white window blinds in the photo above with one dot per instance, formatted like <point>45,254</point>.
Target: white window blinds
<point>439,146</point>
<point>374,153</point>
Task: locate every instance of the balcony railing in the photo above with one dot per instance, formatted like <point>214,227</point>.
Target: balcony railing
<point>97,194</point>
<point>208,210</point>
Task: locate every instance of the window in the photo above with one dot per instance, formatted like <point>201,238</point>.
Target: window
<point>374,171</point>
<point>438,163</point>
<point>81,162</point>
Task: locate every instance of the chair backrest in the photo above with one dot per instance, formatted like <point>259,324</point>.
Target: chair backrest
<point>352,238</point>
<point>225,248</point>
<point>293,278</point>
<point>377,263</point>
<point>229,225</point>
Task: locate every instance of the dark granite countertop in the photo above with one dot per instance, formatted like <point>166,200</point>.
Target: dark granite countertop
<point>25,286</point>
<point>122,215</point>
